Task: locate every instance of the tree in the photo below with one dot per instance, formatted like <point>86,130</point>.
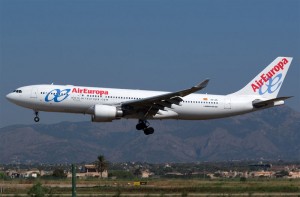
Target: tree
<point>101,164</point>
<point>282,173</point>
<point>59,173</point>
<point>138,172</point>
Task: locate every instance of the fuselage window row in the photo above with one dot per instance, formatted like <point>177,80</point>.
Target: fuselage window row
<point>118,97</point>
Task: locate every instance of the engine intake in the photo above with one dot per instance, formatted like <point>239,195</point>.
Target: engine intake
<point>106,113</point>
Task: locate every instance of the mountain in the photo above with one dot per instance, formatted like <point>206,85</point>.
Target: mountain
<point>270,134</point>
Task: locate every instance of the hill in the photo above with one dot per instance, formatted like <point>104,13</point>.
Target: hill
<point>270,134</point>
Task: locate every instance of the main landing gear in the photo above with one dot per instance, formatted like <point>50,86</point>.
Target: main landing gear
<point>144,125</point>
<point>36,118</point>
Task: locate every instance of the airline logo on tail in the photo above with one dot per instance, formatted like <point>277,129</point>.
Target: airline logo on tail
<point>267,80</point>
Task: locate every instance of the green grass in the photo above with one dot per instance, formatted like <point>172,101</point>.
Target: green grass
<point>159,186</point>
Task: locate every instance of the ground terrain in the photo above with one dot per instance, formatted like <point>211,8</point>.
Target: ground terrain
<point>160,187</point>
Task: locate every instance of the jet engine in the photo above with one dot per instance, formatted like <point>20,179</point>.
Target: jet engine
<point>106,113</point>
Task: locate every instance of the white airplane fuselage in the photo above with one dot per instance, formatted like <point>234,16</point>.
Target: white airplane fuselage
<point>108,104</point>
<point>79,100</point>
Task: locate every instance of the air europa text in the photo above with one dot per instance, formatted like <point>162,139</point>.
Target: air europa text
<point>266,76</point>
<point>89,91</point>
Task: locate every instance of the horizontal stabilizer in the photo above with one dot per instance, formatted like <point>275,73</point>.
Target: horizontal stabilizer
<point>260,103</point>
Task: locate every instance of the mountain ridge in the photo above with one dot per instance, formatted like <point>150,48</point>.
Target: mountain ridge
<point>270,134</point>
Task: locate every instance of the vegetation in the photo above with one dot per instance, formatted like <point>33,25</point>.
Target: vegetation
<point>282,173</point>
<point>120,174</point>
<point>101,164</point>
<point>37,190</point>
<point>59,173</point>
<point>2,175</point>
<point>243,179</point>
<point>123,175</point>
<point>157,186</point>
<point>138,172</point>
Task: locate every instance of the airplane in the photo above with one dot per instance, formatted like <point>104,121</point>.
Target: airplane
<point>108,104</point>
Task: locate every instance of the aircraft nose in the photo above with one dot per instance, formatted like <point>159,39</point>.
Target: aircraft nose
<point>10,97</point>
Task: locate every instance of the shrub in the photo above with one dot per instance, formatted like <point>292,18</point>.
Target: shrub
<point>37,190</point>
<point>243,179</point>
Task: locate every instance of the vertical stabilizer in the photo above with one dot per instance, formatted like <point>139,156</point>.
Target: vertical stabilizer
<point>267,83</point>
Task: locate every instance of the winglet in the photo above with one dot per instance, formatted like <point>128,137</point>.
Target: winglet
<point>202,85</point>
<point>195,88</point>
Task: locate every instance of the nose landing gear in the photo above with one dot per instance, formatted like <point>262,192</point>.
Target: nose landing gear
<point>36,118</point>
<point>144,125</point>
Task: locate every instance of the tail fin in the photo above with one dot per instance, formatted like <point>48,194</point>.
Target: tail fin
<point>267,83</point>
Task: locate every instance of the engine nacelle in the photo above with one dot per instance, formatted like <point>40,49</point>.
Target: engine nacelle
<point>106,113</point>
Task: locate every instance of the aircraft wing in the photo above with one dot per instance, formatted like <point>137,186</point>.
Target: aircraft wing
<point>153,104</point>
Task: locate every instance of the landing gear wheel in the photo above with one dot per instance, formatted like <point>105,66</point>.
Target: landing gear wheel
<point>148,131</point>
<point>144,125</point>
<point>141,126</point>
<point>36,118</point>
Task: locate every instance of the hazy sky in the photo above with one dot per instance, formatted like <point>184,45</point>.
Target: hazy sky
<point>157,45</point>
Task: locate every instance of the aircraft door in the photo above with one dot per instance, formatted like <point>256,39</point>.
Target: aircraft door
<point>227,103</point>
<point>33,93</point>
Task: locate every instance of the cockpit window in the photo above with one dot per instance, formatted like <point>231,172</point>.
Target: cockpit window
<point>17,91</point>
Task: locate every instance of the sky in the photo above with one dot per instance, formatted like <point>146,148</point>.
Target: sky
<point>164,45</point>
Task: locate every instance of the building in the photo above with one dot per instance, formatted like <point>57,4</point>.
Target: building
<point>89,170</point>
<point>146,174</point>
<point>294,175</point>
<point>32,173</point>
<point>263,174</point>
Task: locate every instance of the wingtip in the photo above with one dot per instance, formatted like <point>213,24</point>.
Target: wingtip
<point>206,81</point>
<point>203,84</point>
<point>290,97</point>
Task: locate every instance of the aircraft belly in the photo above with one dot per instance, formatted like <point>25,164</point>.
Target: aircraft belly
<point>195,112</point>
<point>67,106</point>
<point>204,112</point>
